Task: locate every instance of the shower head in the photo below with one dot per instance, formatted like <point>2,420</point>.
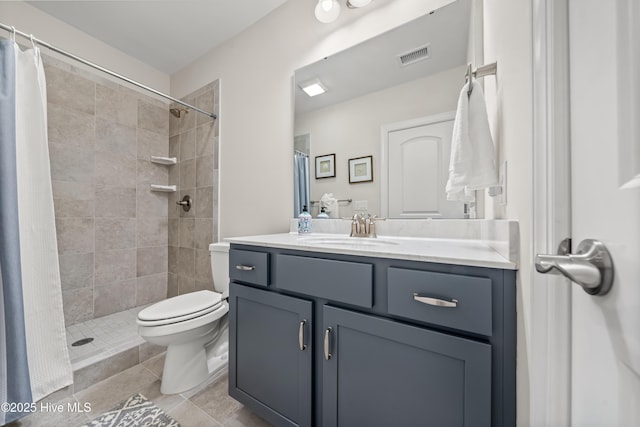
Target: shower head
<point>177,112</point>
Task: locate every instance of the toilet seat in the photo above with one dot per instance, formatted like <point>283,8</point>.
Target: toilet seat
<point>180,308</point>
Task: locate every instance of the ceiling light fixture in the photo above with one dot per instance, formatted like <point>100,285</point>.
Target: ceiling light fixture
<point>328,11</point>
<point>352,4</point>
<point>313,87</point>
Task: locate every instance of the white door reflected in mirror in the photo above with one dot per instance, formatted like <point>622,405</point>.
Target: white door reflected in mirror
<point>415,160</point>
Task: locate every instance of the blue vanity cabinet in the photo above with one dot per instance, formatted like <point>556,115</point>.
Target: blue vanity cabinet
<point>271,354</point>
<point>380,373</point>
<point>389,342</point>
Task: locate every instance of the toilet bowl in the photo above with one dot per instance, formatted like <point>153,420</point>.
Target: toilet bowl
<point>193,327</point>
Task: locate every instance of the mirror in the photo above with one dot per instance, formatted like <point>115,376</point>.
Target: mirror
<point>403,79</point>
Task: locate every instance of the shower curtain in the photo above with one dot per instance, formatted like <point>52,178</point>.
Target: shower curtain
<point>34,360</point>
<point>300,183</point>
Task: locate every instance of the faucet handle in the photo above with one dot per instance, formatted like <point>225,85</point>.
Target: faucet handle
<point>372,225</point>
<point>355,227</point>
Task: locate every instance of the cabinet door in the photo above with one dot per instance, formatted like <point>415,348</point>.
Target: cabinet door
<point>385,373</point>
<point>270,354</point>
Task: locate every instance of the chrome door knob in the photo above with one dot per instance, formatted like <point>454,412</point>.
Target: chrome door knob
<point>590,267</point>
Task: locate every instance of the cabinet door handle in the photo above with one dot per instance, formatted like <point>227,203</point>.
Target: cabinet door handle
<point>435,301</point>
<point>245,267</point>
<point>327,332</point>
<point>301,343</point>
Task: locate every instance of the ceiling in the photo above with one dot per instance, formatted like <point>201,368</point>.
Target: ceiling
<point>166,34</point>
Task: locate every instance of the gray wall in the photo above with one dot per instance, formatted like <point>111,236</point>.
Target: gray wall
<point>120,244</point>
<point>112,231</point>
<point>194,141</point>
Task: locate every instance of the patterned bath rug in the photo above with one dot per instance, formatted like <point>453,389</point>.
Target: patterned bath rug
<point>136,411</point>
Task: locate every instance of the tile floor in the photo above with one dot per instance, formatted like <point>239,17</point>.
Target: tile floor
<point>111,335</point>
<point>203,406</point>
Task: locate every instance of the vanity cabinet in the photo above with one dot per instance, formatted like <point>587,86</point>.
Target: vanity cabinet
<point>343,340</point>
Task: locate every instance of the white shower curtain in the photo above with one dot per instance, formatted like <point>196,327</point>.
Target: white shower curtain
<point>49,365</point>
<point>34,269</point>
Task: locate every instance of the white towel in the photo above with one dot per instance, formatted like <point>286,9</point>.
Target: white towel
<point>472,165</point>
<point>330,205</point>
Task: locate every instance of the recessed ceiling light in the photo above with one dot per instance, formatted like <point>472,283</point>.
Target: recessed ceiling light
<point>313,87</point>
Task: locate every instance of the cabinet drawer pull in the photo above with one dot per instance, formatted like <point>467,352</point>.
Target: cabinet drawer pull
<point>301,343</point>
<point>245,267</point>
<point>327,332</point>
<point>435,301</point>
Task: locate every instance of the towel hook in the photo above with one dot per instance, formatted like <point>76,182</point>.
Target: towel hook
<point>470,79</point>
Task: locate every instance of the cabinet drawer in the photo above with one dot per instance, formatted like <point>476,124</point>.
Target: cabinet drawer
<point>249,267</point>
<point>348,282</point>
<point>429,297</point>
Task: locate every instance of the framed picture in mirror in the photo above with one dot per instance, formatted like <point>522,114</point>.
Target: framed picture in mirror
<point>326,166</point>
<point>360,169</point>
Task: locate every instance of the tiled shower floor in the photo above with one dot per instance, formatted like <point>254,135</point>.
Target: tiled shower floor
<point>111,335</point>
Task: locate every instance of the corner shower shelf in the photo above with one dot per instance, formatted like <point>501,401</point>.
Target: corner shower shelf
<point>165,188</point>
<point>164,160</point>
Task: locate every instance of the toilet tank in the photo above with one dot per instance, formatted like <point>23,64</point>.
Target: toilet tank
<point>219,253</point>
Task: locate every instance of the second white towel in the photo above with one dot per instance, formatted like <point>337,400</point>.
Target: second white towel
<point>472,165</point>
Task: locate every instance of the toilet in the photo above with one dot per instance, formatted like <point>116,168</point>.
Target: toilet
<point>193,327</point>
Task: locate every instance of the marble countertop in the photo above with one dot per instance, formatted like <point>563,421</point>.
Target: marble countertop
<point>469,252</point>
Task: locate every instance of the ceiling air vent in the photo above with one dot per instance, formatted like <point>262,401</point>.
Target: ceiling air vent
<point>414,55</point>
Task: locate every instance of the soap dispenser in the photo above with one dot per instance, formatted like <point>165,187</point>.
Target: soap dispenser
<point>322,213</point>
<point>304,221</point>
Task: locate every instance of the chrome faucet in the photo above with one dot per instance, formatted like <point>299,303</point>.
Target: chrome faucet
<point>364,225</point>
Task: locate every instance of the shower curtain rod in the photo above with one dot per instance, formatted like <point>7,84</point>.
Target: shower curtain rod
<point>104,70</point>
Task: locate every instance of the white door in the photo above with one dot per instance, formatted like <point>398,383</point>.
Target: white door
<point>604,45</point>
<point>417,163</point>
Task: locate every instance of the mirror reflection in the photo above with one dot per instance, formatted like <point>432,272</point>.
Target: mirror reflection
<point>383,112</point>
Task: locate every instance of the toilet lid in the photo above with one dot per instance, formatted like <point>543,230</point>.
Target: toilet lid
<point>187,305</point>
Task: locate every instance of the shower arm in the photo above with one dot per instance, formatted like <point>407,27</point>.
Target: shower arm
<point>13,31</point>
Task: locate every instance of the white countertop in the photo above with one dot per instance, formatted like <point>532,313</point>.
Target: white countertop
<point>476,253</point>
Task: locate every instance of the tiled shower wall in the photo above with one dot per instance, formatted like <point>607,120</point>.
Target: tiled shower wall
<point>194,141</point>
<point>112,230</point>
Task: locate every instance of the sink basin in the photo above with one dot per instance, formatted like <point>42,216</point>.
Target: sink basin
<point>347,241</point>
